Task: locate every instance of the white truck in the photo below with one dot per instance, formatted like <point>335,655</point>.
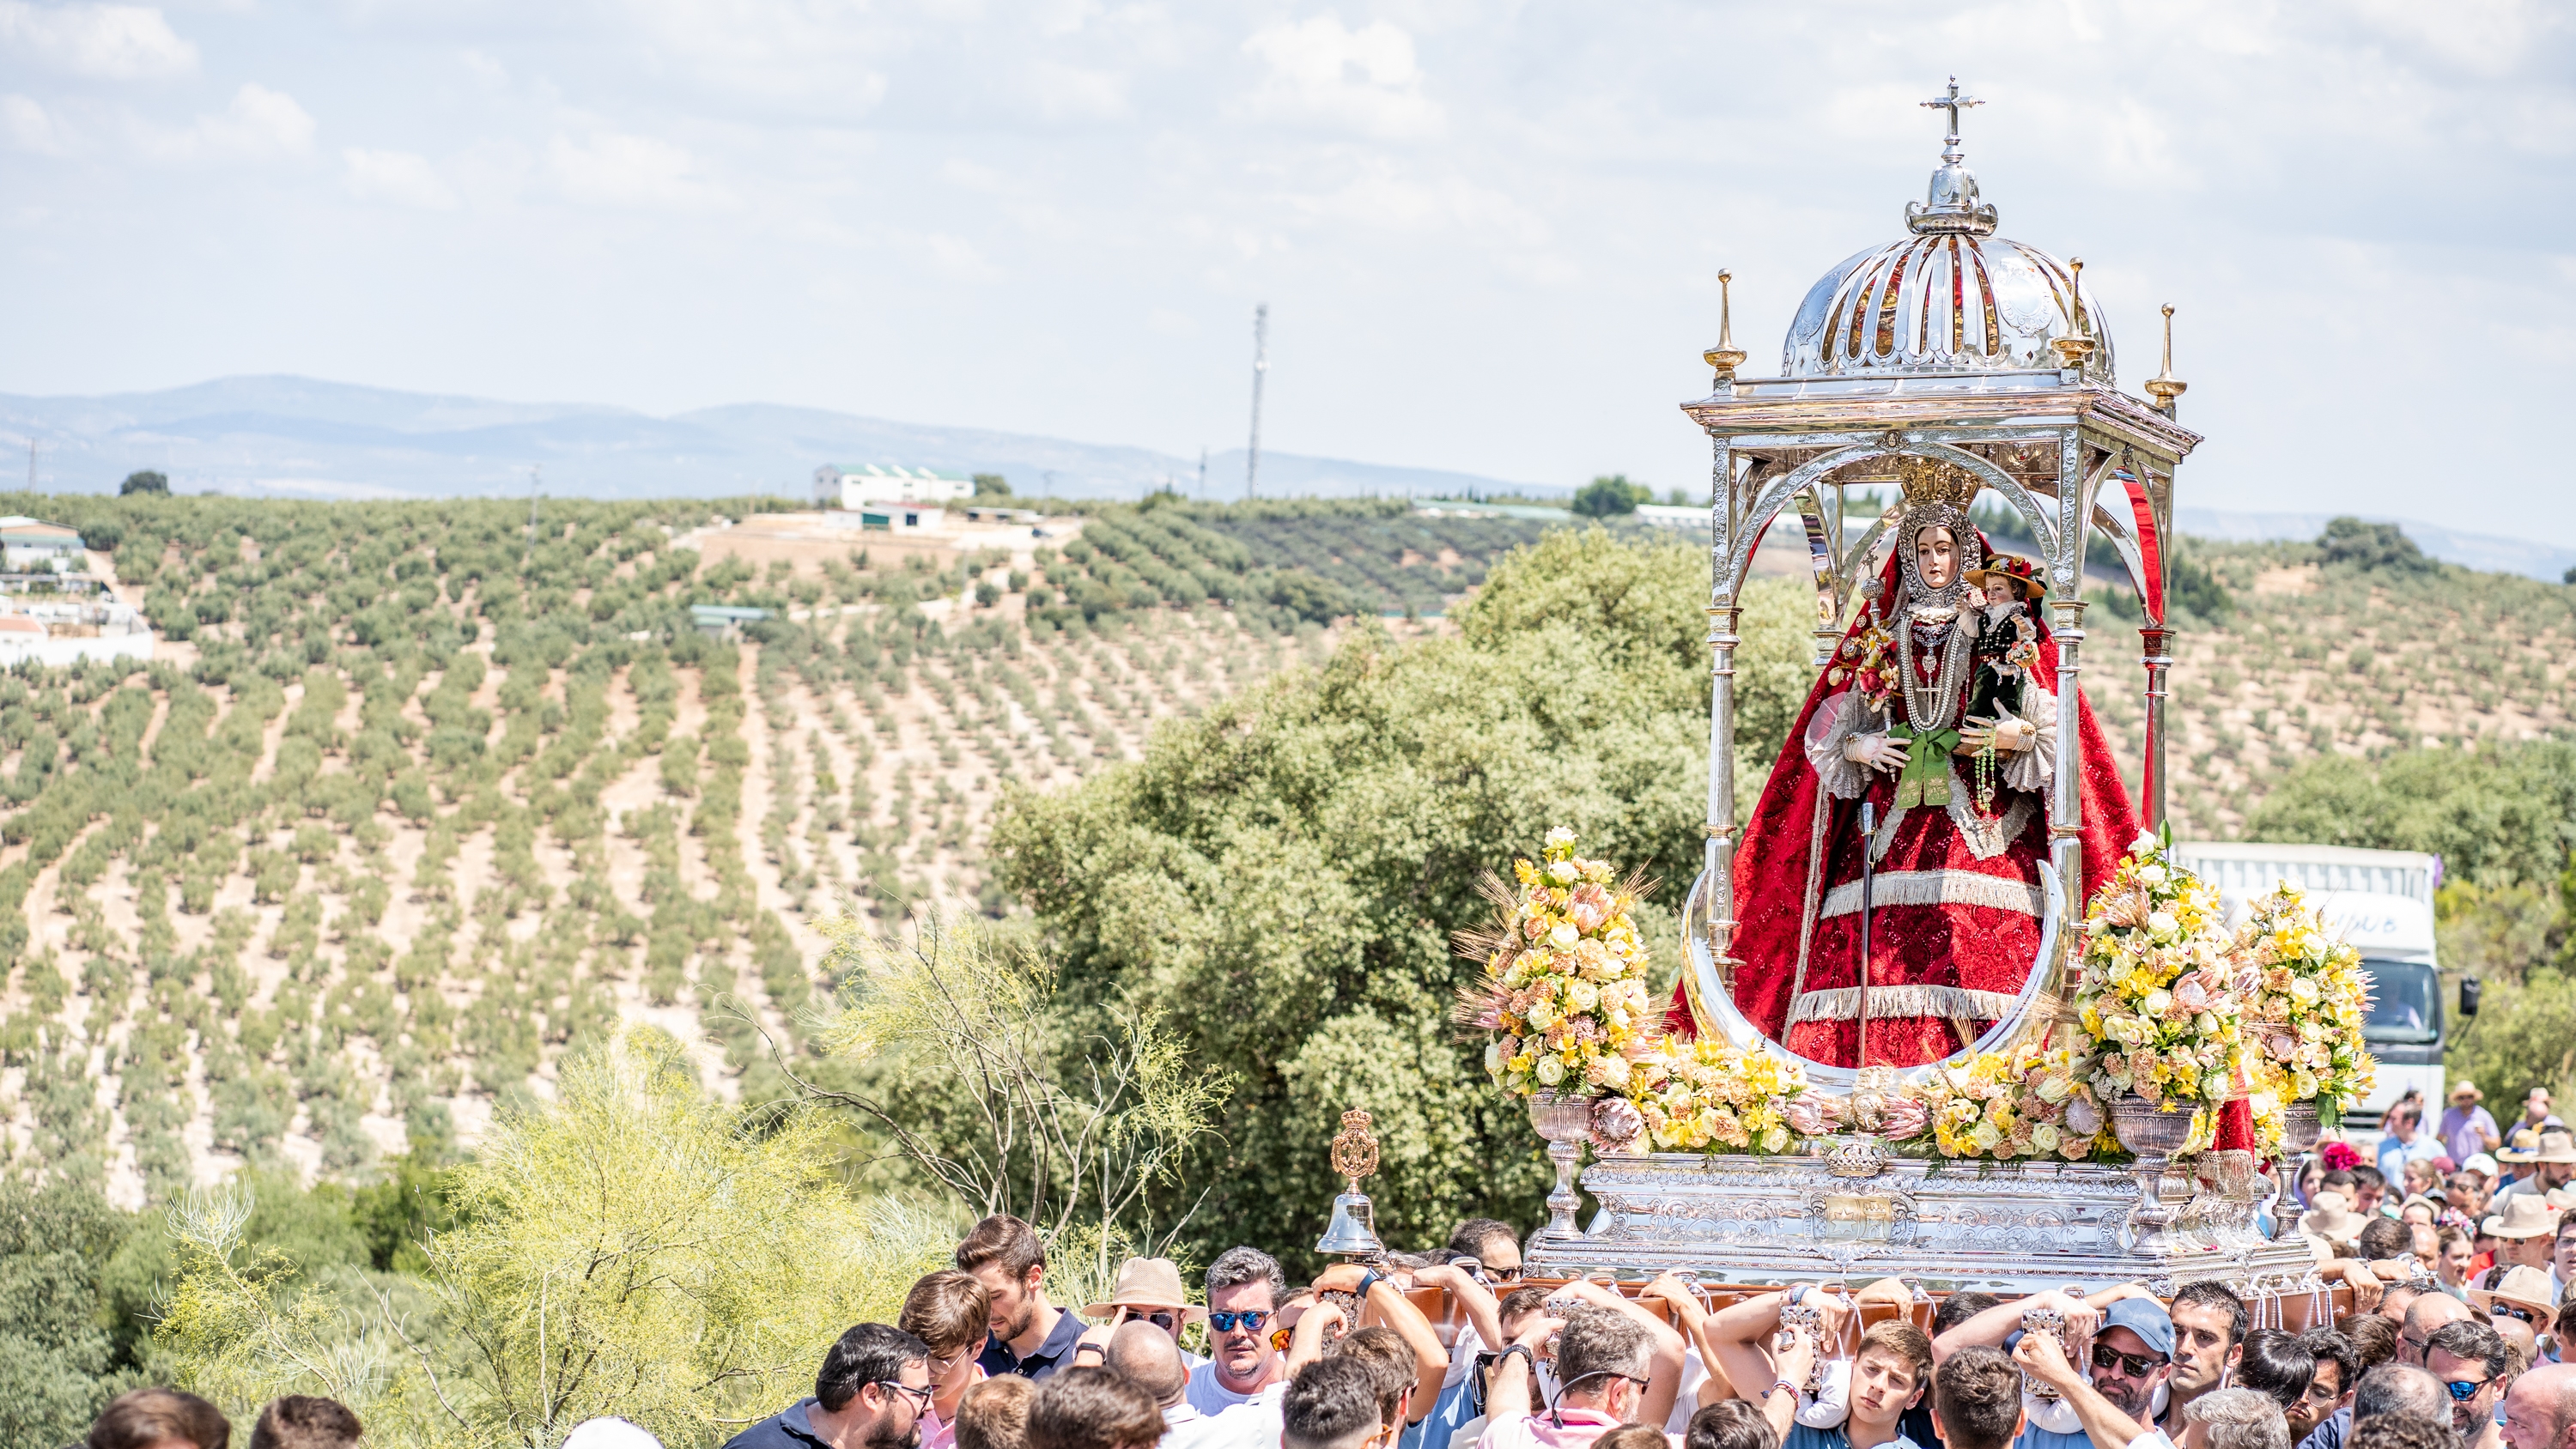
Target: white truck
<point>2382,902</point>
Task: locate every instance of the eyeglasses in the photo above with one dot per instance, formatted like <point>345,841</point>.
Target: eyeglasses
<point>943,1364</point>
<point>2463,1390</point>
<point>920,1405</point>
<point>2136,1366</point>
<point>1250,1318</point>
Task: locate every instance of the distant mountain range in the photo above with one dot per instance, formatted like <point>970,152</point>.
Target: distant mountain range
<point>298,437</point>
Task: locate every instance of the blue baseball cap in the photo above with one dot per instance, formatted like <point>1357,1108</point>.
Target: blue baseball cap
<point>2145,1318</point>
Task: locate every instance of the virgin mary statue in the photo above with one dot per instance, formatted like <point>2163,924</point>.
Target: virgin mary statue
<point>1956,778</point>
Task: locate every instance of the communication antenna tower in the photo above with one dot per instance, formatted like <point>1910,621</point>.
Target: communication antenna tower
<point>1260,367</point>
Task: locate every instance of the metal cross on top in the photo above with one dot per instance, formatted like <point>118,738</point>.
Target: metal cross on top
<point>1951,103</point>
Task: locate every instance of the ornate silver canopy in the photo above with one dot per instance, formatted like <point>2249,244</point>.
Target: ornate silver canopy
<point>1950,297</point>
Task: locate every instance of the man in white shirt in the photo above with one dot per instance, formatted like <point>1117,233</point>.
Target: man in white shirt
<point>1244,1291</point>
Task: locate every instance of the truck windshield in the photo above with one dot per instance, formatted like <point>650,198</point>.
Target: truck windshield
<point>2405,999</point>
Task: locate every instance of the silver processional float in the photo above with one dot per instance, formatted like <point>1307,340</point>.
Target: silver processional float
<point>1949,348</point>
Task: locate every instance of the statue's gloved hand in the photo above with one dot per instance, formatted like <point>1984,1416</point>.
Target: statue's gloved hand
<point>1877,751</point>
<point>2008,736</point>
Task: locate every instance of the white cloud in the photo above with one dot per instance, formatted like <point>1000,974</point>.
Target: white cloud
<point>31,127</point>
<point>401,177</point>
<point>612,169</point>
<point>260,124</point>
<point>117,42</point>
<point>1363,79</point>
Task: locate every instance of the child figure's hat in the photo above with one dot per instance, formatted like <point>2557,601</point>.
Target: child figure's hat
<point>2023,573</point>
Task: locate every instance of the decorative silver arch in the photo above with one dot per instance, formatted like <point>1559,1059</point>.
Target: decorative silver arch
<point>1707,977</point>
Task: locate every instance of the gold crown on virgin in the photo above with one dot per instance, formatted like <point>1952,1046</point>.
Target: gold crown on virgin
<point>1931,481</point>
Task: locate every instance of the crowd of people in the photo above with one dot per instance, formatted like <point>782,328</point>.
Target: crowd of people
<point>2458,1312</point>
<point>980,1358</point>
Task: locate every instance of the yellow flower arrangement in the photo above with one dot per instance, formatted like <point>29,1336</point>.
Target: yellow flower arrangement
<point>2159,996</point>
<point>1563,994</point>
<point>1565,979</point>
<point>2307,1003</point>
<point>2023,1101</point>
<point>1707,1096</point>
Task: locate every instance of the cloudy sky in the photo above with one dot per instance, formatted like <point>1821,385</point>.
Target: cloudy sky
<point>1489,234</point>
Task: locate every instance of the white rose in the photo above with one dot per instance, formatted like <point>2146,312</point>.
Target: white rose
<point>2303,990</point>
<point>2158,1002</point>
<point>1541,1016</point>
<point>1560,835</point>
<point>2054,1089</point>
<point>2044,1137</point>
<point>1986,1135</point>
<point>1550,1071</point>
<point>1582,996</point>
<point>1563,872</point>
<point>2151,875</point>
<point>2159,924</point>
<point>1493,1058</point>
<point>1565,936</point>
<point>2206,1024</point>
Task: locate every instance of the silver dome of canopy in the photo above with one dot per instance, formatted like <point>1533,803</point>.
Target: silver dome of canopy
<point>1950,297</point>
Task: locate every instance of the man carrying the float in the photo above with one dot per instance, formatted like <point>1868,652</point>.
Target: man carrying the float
<point>1956,805</point>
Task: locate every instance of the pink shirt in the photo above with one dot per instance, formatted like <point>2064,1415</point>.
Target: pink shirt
<point>937,1433</point>
<point>1540,1431</point>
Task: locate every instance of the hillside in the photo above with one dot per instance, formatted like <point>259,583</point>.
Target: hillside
<point>414,804</point>
<point>304,437</point>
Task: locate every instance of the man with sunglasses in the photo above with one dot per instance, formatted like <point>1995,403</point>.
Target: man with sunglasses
<point>2132,1367</point>
<point>1149,1291</point>
<point>2470,1360</point>
<point>1245,1289</point>
<point>870,1393</point>
<point>1606,1362</point>
<point>2522,1294</point>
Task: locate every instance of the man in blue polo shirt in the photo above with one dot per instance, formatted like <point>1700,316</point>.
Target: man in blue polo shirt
<point>870,1394</point>
<point>1030,1336</point>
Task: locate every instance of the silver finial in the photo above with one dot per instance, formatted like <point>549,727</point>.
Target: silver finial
<point>1951,205</point>
<point>1952,103</point>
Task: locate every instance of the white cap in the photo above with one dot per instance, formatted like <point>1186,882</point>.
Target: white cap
<point>609,1434</point>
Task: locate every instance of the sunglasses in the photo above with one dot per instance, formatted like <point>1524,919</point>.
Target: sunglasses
<point>1250,1318</point>
<point>1511,1274</point>
<point>1162,1318</point>
<point>2136,1366</point>
<point>2507,1310</point>
<point>2463,1390</point>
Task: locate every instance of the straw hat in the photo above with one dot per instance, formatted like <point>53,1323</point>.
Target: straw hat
<point>2466,1088</point>
<point>2525,1215</point>
<point>2561,1198</point>
<point>2557,1147</point>
<point>2522,1287</point>
<point>2522,1146</point>
<point>1148,1283</point>
<point>2332,1219</point>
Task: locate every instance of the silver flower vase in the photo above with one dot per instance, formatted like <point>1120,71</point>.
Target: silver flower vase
<point>2154,1135</point>
<point>1565,1120</point>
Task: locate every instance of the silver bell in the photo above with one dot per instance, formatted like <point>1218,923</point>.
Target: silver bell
<point>1353,1230</point>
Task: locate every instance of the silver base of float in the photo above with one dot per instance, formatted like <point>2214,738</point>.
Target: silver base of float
<point>1849,1210</point>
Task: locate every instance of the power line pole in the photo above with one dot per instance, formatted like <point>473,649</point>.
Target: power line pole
<point>533,475</point>
<point>1202,472</point>
<point>1260,367</point>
